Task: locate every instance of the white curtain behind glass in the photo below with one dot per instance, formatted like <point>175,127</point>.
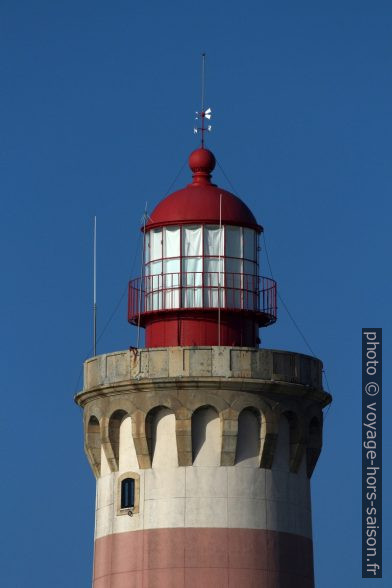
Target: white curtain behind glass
<point>154,285</point>
<point>249,297</point>
<point>213,237</point>
<point>192,267</point>
<point>213,271</point>
<point>147,247</point>
<point>241,285</point>
<point>214,280</point>
<point>192,278</point>
<point>200,279</point>
<point>171,282</point>
<point>192,241</point>
<point>171,267</point>
<point>171,242</point>
<point>156,244</point>
<point>153,270</point>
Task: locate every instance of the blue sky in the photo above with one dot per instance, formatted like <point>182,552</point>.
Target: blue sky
<point>96,114</point>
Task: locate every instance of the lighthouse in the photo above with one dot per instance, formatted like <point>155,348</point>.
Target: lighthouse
<point>202,442</point>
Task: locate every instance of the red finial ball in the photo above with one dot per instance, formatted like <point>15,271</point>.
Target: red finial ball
<point>202,161</point>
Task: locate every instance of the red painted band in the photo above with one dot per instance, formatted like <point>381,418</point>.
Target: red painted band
<point>211,558</point>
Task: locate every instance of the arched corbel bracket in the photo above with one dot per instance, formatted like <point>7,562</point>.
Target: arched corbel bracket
<point>184,436</point>
<point>107,445</point>
<point>268,438</point>
<point>314,442</point>
<point>140,439</point>
<point>229,423</point>
<point>92,444</point>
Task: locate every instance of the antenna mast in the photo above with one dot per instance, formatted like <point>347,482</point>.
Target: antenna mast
<point>203,79</point>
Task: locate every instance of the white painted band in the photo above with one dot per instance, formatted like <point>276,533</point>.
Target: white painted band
<point>212,497</point>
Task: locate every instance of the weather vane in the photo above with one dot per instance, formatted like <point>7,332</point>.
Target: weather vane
<point>203,114</point>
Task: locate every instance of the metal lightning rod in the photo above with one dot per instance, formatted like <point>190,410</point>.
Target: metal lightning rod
<point>142,285</point>
<point>95,290</point>
<point>220,275</point>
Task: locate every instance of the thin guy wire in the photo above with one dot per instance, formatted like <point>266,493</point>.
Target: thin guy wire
<point>126,287</point>
<point>175,180</point>
<point>226,177</point>
<point>279,296</point>
<point>112,315</point>
<point>270,269</point>
<point>283,302</point>
<point>294,322</point>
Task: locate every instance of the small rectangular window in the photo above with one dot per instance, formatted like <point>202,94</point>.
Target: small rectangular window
<point>128,493</point>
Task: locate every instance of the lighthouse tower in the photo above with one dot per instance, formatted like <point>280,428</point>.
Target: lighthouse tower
<point>202,443</point>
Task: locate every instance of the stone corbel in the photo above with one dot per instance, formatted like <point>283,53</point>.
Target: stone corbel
<point>229,423</point>
<point>140,439</point>
<point>184,436</point>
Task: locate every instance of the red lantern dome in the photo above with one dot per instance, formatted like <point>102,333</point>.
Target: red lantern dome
<point>201,200</point>
<point>201,284</point>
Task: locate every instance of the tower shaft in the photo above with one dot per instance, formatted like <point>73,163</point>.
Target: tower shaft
<point>220,443</point>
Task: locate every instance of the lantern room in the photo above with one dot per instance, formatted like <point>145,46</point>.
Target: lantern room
<point>201,283</point>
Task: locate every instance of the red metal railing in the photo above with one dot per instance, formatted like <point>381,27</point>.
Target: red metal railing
<point>202,290</point>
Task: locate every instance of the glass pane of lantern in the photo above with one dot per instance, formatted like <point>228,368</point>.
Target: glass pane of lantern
<point>192,277</point>
<point>156,300</point>
<point>249,244</point>
<point>250,268</point>
<point>213,237</point>
<point>211,272</point>
<point>211,282</point>
<point>172,298</point>
<point>233,298</point>
<point>156,244</point>
<point>250,286</point>
<point>171,283</point>
<point>233,241</point>
<point>154,283</point>
<point>192,268</point>
<point>171,271</point>
<point>233,273</point>
<point>211,298</point>
<point>233,277</point>
<point>155,268</point>
<point>152,271</point>
<point>147,247</point>
<point>192,297</point>
<point>191,240</point>
<point>171,242</point>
